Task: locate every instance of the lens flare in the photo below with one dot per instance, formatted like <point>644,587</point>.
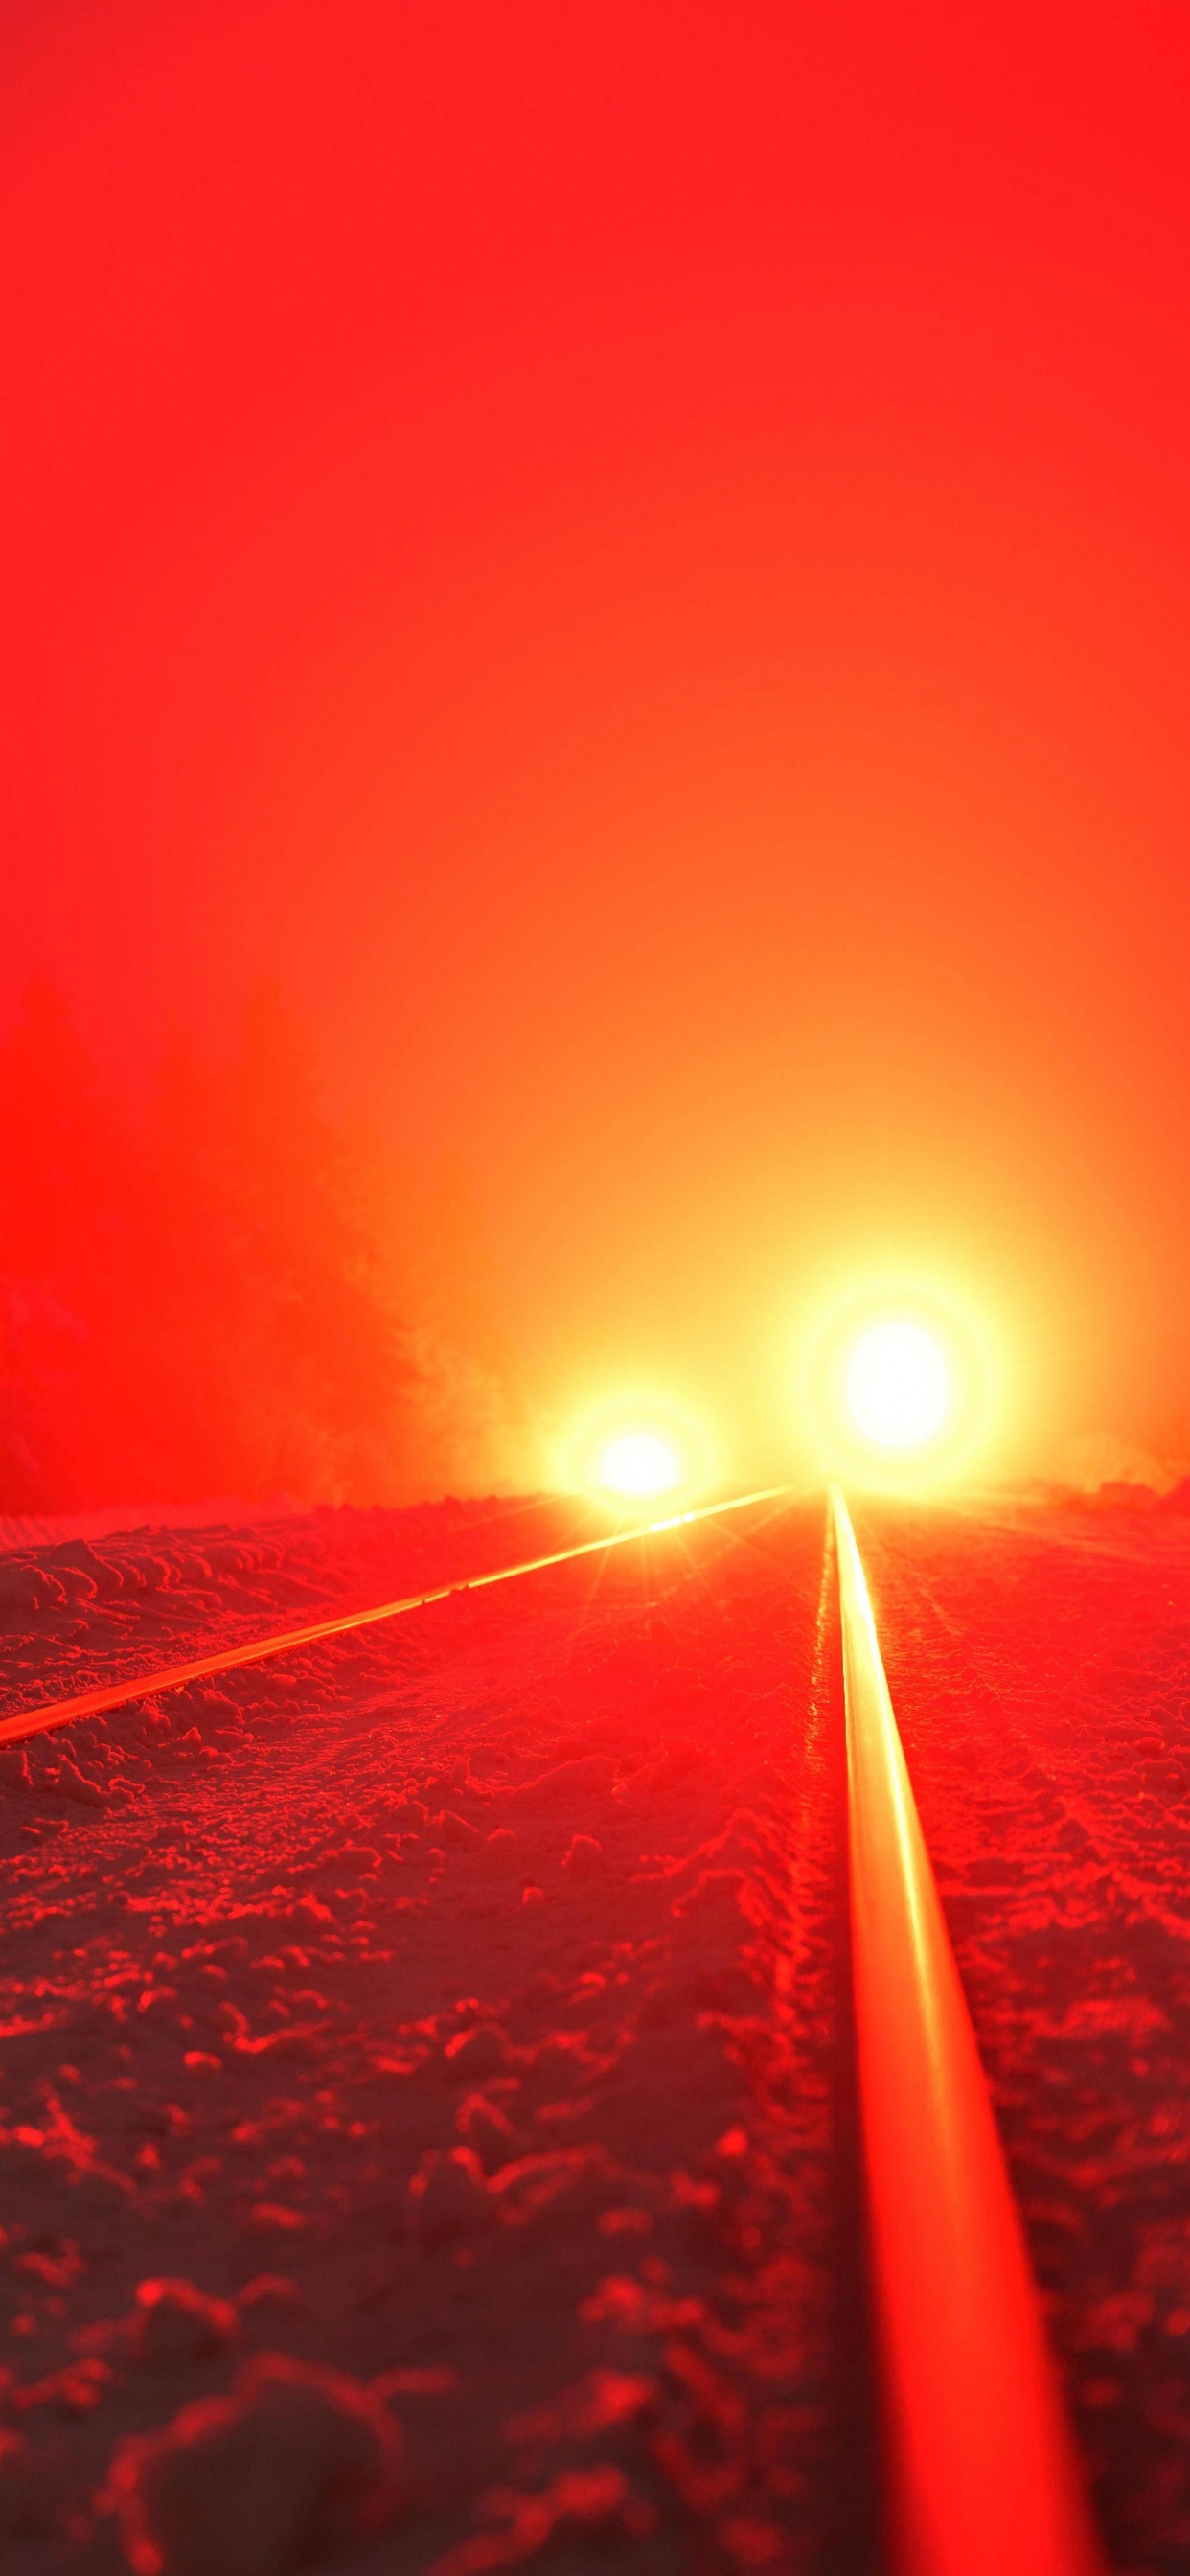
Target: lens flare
<point>639,1463</point>
<point>898,1386</point>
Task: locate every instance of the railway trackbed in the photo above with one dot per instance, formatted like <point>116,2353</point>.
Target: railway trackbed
<point>20,1724</point>
<point>982,2469</point>
<point>654,1964</point>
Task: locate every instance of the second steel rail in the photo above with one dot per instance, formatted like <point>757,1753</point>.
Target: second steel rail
<point>982,2472</point>
<point>39,1720</point>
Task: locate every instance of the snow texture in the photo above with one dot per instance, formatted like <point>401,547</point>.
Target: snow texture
<point>426,2136</point>
<point>1040,1669</point>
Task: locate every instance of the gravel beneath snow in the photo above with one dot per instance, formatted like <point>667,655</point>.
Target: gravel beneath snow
<point>425,2126</point>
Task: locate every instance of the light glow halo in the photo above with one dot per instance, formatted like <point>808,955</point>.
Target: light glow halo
<point>630,1447</point>
<point>638,1463</point>
<point>898,1386</point>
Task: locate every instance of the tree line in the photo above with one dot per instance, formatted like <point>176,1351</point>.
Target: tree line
<point>208,1286</point>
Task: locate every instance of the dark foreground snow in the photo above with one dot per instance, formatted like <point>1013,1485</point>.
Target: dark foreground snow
<point>426,2140</point>
<point>425,2129</point>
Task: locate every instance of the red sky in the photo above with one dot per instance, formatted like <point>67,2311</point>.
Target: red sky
<point>637,558</point>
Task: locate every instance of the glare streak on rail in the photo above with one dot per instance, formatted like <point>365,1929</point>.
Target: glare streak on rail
<point>981,2463</point>
<point>94,1703</point>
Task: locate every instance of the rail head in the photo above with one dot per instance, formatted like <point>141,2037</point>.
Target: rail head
<point>983,2471</point>
<point>21,1724</point>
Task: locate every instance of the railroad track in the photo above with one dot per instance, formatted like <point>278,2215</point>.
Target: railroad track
<point>980,2468</point>
<point>41,1720</point>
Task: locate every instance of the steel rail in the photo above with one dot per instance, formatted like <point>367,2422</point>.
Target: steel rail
<point>981,2465</point>
<point>94,1703</point>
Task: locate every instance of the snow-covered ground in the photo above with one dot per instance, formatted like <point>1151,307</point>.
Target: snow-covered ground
<point>426,2127</point>
<point>453,2012</point>
<point>1040,1669</point>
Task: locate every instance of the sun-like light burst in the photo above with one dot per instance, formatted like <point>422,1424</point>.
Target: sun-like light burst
<point>898,1385</point>
<point>636,1446</point>
<point>639,1463</point>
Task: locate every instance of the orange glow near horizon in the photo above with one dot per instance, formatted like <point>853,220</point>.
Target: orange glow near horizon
<point>631,566</point>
